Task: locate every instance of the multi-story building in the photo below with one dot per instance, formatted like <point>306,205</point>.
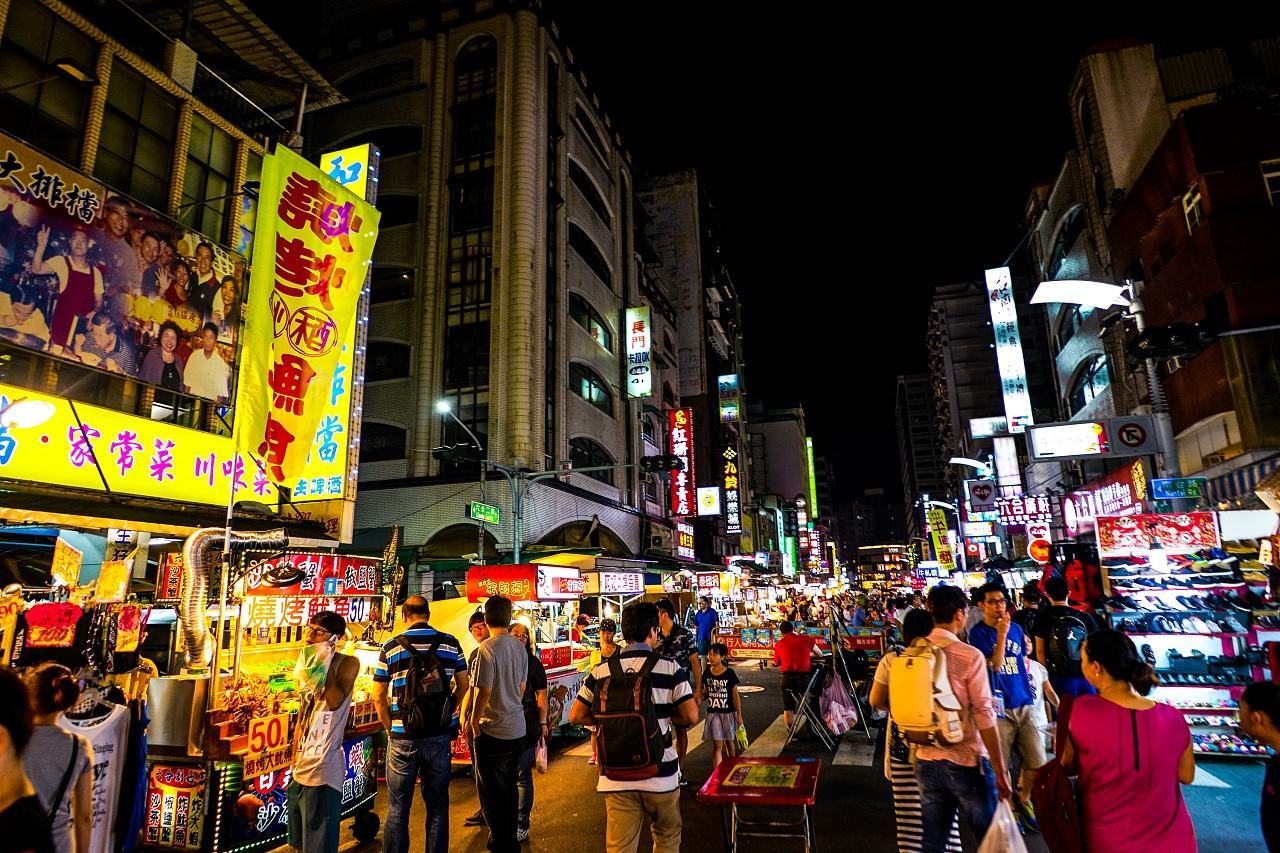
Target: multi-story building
<point>919,450</point>
<point>1199,228</point>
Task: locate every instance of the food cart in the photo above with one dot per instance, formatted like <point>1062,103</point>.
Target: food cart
<point>227,769</point>
<point>544,597</point>
<point>614,584</point>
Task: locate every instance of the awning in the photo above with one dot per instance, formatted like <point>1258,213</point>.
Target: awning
<point>1243,481</point>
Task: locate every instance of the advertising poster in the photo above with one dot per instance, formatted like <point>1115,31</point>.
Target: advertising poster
<point>128,628</point>
<point>313,574</point>
<point>175,806</point>
<point>67,559</point>
<point>1176,532</point>
<point>639,342</point>
<point>91,277</point>
<point>169,586</point>
<point>311,252</point>
<point>10,607</point>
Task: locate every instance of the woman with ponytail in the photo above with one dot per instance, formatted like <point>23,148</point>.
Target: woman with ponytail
<point>1131,753</point>
<point>58,762</point>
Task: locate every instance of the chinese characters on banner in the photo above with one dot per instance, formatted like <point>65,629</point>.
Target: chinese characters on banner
<point>683,482</point>
<point>67,559</point>
<point>313,574</point>
<point>1022,510</point>
<point>639,342</point>
<point>1013,370</point>
<point>732,493</point>
<point>941,544</point>
<point>730,398</point>
<point>684,541</point>
<point>311,252</point>
<point>517,581</point>
<point>175,806</point>
<point>275,611</point>
<point>1121,492</point>
<point>802,531</point>
<point>169,586</point>
<point>1177,533</point>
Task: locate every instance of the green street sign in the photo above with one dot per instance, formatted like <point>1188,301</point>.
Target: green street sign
<point>1179,487</point>
<point>484,512</point>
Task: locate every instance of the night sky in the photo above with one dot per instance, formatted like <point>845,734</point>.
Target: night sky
<point>856,163</point>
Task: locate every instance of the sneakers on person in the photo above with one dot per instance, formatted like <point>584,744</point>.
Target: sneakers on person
<point>522,835</point>
<point>683,781</point>
<point>476,819</point>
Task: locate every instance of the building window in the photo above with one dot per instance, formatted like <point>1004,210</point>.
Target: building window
<point>135,154</point>
<point>1090,382</point>
<point>588,385</point>
<point>390,283</point>
<point>211,160</point>
<point>1073,317</point>
<point>392,141</point>
<point>397,210</point>
<point>1271,180</point>
<point>466,354</point>
<point>586,317</point>
<point>386,360</point>
<point>585,453</point>
<point>39,103</point>
<point>1191,209</point>
<point>668,342</point>
<point>550,352</point>
<point>649,429</point>
<point>388,75</point>
<point>588,129</point>
<point>668,396</point>
<point>589,192</point>
<point>590,253</point>
<point>381,442</point>
<point>1070,229</point>
<point>249,207</point>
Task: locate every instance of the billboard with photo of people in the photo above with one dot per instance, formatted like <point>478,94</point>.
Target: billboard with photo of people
<point>88,276</point>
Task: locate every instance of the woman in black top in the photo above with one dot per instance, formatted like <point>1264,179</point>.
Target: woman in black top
<point>24,824</point>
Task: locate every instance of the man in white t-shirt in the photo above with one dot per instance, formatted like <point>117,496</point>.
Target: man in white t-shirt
<point>206,373</point>
<point>627,803</point>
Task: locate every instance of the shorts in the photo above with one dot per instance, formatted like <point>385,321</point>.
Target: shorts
<point>704,646</point>
<point>793,685</point>
<point>720,726</point>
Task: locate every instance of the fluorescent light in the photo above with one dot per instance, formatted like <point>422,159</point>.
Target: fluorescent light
<point>1094,293</point>
<point>443,407</point>
<point>963,460</point>
<point>24,413</point>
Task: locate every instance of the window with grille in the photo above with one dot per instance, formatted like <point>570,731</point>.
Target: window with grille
<point>386,360</point>
<point>588,385</point>
<point>589,192</point>
<point>590,253</point>
<point>135,153</point>
<point>390,283</point>
<point>1090,382</point>
<point>211,161</point>
<point>381,442</point>
<point>588,318</point>
<point>1191,208</point>
<point>38,103</point>
<point>585,453</point>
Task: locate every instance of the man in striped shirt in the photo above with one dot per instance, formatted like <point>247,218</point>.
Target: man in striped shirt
<point>406,755</point>
<point>627,803</point>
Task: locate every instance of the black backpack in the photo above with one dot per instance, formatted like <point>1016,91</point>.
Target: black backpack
<point>630,741</point>
<point>1066,639</point>
<point>426,703</point>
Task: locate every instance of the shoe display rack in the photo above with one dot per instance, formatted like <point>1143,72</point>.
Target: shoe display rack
<point>1193,619</point>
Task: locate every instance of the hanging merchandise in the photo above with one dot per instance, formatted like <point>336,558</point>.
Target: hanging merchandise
<point>105,727</point>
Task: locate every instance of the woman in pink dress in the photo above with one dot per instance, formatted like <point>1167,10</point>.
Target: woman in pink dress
<point>1131,754</point>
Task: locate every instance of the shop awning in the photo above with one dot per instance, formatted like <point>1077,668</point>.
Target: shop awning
<point>1243,481</point>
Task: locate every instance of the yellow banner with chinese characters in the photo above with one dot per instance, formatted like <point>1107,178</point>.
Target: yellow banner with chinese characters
<point>941,544</point>
<point>311,253</point>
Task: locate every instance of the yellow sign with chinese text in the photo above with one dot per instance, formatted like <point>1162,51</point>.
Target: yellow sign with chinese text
<point>113,580</point>
<point>313,243</point>
<point>350,167</point>
<point>137,456</point>
<point>67,560</point>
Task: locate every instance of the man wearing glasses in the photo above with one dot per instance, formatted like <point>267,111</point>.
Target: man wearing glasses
<point>325,682</point>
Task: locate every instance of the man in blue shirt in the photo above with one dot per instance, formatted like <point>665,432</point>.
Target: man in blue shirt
<point>707,619</point>
<point>408,755</point>
<point>1005,645</point>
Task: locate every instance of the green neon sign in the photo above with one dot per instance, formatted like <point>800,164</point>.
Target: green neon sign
<point>813,480</point>
<point>484,512</point>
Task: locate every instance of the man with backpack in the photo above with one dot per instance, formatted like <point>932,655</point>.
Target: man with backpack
<point>959,762</point>
<point>633,698</point>
<point>418,684</point>
<point>1060,633</point>
<point>1025,617</point>
<point>677,642</point>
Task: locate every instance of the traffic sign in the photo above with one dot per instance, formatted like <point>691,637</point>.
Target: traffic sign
<point>484,512</point>
<point>1173,488</point>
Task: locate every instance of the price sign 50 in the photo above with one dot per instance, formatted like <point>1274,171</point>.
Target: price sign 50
<point>268,733</point>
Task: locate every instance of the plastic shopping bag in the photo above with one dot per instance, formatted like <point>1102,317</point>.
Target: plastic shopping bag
<point>540,756</point>
<point>837,708</point>
<point>1004,835</point>
<point>740,738</point>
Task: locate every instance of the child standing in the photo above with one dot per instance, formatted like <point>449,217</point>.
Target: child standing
<point>724,706</point>
<point>1043,698</point>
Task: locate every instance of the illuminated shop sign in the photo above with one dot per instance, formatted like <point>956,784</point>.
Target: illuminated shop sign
<point>680,441</point>
<point>730,398</point>
<point>1129,436</point>
<point>684,540</point>
<point>1013,370</point>
<point>987,427</point>
<point>1121,492</point>
<point>639,342</point>
<point>732,496</point>
<point>1022,510</point>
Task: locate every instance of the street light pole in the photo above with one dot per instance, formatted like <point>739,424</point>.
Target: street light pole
<point>1168,455</point>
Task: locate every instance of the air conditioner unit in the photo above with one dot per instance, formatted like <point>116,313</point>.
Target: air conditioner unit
<point>660,539</point>
<point>1211,459</point>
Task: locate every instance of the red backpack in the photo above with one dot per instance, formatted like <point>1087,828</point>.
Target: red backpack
<point>1054,798</point>
<point>1084,581</point>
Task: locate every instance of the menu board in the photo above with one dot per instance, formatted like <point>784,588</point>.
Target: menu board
<point>175,806</point>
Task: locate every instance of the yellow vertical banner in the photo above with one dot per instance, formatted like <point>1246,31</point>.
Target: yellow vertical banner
<point>312,248</point>
<point>941,545</point>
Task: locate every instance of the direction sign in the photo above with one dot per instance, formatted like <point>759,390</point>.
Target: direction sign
<point>484,512</point>
<point>1179,487</point>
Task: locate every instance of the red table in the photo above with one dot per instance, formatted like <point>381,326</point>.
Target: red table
<point>783,781</point>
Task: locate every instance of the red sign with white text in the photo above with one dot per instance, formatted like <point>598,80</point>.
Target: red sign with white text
<point>683,482</point>
<point>1119,493</point>
<point>517,581</point>
<point>313,574</point>
<point>1178,532</point>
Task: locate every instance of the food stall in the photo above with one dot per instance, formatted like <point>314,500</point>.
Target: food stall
<point>225,771</point>
<point>614,584</point>
<point>544,597</point>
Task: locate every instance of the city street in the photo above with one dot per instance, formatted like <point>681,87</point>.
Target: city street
<point>854,807</point>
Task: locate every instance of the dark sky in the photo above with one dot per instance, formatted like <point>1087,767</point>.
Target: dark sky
<point>856,162</point>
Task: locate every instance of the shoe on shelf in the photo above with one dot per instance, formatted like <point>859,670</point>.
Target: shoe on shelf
<point>1148,655</point>
<point>476,819</point>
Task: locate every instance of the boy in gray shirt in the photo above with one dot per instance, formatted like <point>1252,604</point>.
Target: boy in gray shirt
<point>496,724</point>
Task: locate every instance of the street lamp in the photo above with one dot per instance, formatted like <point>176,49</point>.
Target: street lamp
<point>443,407</point>
<point>64,67</point>
<point>982,467</point>
<point>1099,294</point>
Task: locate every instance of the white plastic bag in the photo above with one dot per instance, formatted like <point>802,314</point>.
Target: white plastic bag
<point>540,756</point>
<point>1004,835</point>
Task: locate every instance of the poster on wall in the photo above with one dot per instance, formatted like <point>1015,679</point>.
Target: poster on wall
<point>1182,532</point>
<point>89,276</point>
<point>313,574</point>
<point>176,799</point>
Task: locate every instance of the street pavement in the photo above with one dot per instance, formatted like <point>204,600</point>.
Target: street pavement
<point>854,809</point>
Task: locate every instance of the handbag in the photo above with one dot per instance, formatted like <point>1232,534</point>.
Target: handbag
<point>66,778</point>
<point>1054,798</point>
<point>540,756</point>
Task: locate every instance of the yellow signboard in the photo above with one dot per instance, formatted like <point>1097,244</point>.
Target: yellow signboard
<point>113,580</point>
<point>67,560</point>
<point>941,545</point>
<point>312,248</point>
<point>350,167</point>
<point>136,456</point>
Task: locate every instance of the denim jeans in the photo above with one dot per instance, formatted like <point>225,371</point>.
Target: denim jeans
<point>525,786</point>
<point>405,759</point>
<point>946,787</point>
<point>498,766</point>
